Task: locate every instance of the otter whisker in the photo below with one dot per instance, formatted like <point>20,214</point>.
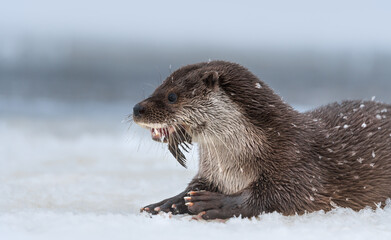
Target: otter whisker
<point>210,160</point>
<point>216,153</point>
<point>228,148</point>
<point>184,139</point>
<point>175,141</point>
<point>128,119</point>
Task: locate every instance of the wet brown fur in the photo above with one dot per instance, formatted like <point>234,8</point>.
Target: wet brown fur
<point>268,157</point>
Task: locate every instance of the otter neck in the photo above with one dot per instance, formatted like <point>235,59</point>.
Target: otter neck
<point>228,159</point>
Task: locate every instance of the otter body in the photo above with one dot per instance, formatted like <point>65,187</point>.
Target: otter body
<point>257,154</point>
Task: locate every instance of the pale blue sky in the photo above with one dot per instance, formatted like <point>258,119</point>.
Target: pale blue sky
<point>319,24</point>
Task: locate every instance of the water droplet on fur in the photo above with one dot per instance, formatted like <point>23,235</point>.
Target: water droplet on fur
<point>345,126</point>
<point>362,105</point>
<point>378,116</point>
<point>373,154</point>
<point>364,125</point>
<point>258,85</point>
<point>373,98</point>
<point>333,204</point>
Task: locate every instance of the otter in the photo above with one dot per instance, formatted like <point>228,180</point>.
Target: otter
<point>258,154</point>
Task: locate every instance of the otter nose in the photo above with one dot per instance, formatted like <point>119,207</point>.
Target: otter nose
<point>138,110</point>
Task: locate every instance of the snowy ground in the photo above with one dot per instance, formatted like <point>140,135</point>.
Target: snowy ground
<point>86,175</point>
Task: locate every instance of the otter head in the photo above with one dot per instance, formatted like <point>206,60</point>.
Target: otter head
<point>184,103</point>
<point>192,101</point>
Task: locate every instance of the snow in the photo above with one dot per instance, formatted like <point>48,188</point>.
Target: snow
<point>86,178</point>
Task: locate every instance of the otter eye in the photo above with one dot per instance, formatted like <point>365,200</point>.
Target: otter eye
<point>172,97</point>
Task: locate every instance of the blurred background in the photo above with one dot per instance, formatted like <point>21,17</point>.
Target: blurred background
<point>75,52</point>
<point>71,71</point>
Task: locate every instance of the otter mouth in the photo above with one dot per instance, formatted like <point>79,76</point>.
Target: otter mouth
<point>176,136</point>
<point>162,134</point>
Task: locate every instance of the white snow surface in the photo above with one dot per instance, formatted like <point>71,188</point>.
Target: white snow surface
<point>86,178</point>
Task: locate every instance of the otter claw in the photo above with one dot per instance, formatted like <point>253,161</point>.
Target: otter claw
<point>199,216</point>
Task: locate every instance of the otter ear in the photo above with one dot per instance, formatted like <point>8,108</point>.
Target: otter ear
<point>211,80</point>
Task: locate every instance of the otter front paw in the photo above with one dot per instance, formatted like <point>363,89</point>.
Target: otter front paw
<point>212,205</point>
<point>175,205</point>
